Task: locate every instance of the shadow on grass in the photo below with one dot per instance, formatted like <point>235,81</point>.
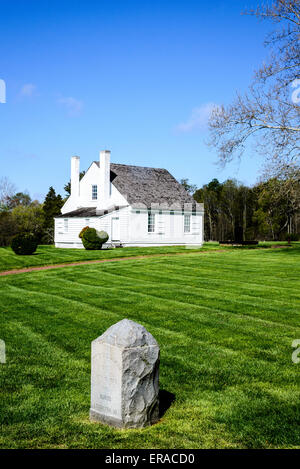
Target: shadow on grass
<point>259,420</point>
<point>27,256</point>
<point>166,399</point>
<point>288,251</point>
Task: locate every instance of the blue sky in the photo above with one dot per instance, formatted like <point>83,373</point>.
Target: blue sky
<point>135,77</point>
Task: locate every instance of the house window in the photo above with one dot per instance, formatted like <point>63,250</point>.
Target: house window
<point>171,212</point>
<point>137,211</point>
<point>87,221</point>
<point>187,223</point>
<point>66,225</point>
<point>94,192</point>
<point>151,222</point>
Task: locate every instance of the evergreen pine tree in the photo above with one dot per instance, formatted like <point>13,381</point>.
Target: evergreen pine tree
<point>52,205</point>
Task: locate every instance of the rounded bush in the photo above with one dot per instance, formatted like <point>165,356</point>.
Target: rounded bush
<point>82,231</point>
<point>24,244</point>
<point>91,240</point>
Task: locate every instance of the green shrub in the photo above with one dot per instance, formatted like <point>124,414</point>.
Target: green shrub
<point>82,231</point>
<point>24,244</point>
<point>92,240</point>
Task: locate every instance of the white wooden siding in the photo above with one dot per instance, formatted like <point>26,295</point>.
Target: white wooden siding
<point>169,229</point>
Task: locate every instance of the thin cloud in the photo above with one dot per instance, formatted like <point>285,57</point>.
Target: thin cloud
<point>198,119</point>
<point>28,90</point>
<point>72,105</point>
<point>14,152</point>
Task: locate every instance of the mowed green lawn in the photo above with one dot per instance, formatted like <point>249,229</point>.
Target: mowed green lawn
<point>49,255</point>
<point>46,255</point>
<point>225,322</point>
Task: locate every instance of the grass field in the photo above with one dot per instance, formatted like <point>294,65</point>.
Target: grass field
<point>225,322</point>
<point>46,255</point>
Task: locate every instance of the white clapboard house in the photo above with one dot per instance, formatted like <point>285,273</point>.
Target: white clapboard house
<point>136,206</point>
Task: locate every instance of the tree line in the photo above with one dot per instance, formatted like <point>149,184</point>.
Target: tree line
<point>270,210</point>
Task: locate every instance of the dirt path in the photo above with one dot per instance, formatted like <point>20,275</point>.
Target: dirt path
<point>99,261</point>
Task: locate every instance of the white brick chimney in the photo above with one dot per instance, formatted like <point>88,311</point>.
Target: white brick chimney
<point>104,180</point>
<point>75,193</point>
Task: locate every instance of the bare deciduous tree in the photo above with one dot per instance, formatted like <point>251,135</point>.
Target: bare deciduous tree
<point>269,112</point>
<point>7,190</point>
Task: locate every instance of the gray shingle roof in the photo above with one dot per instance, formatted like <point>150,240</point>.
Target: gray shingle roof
<point>142,185</point>
<point>89,212</point>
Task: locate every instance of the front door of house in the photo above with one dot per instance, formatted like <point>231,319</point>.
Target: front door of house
<point>115,229</point>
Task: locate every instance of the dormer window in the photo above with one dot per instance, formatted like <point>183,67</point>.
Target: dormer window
<point>94,192</point>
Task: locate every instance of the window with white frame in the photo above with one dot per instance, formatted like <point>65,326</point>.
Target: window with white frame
<point>60,227</point>
<point>66,225</point>
<point>94,192</point>
<point>187,223</point>
<point>151,222</point>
